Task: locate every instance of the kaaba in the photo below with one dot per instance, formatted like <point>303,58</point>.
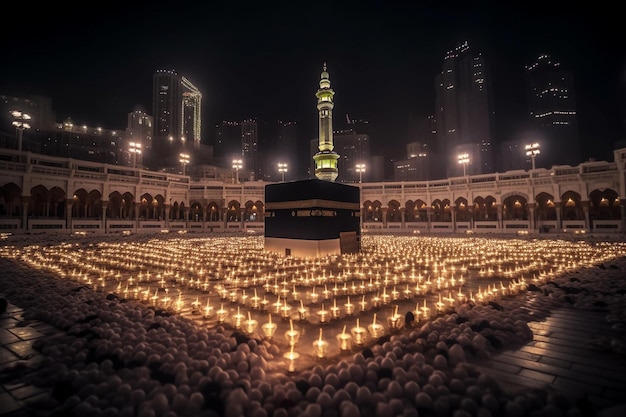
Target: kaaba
<point>312,218</point>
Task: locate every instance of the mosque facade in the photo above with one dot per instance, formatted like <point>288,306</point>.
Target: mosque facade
<point>45,194</point>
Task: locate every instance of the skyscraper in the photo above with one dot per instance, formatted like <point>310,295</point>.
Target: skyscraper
<point>177,119</point>
<point>326,158</point>
<point>552,112</point>
<point>464,112</point>
<point>250,146</point>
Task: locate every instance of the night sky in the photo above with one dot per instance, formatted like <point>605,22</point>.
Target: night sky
<point>263,59</point>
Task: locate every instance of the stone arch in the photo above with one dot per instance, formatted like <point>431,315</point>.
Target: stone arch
<point>196,213</point>
<point>571,206</point>
<point>114,206</point>
<point>10,200</point>
<point>393,212</point>
<point>485,209</point>
<point>372,211</point>
<point>145,205</point>
<point>175,211</point>
<point>158,207</point>
<point>410,214</point>
<point>213,212</point>
<point>233,211</point>
<point>38,201</point>
<point>462,210</point>
<point>441,210</point>
<point>515,207</point>
<point>57,197</point>
<point>545,208</point>
<point>604,205</point>
<point>79,204</point>
<point>93,207</point>
<point>422,210</point>
<point>121,206</point>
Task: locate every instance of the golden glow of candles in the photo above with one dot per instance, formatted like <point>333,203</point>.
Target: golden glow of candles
<point>344,339</point>
<point>320,346</point>
<point>358,333</point>
<point>302,311</point>
<point>375,329</point>
<point>269,328</point>
<point>221,314</point>
<point>250,325</point>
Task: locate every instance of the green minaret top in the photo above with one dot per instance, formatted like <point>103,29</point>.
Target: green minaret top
<point>326,158</point>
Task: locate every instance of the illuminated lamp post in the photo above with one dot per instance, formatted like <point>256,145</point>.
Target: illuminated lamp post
<point>360,168</point>
<point>282,168</point>
<point>463,160</point>
<point>134,148</point>
<point>20,121</point>
<point>237,165</point>
<point>184,160</point>
<point>532,150</point>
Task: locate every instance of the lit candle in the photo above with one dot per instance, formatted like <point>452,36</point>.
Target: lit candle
<point>363,303</point>
<point>264,303</point>
<point>394,320</point>
<point>349,307</point>
<point>221,314</point>
<point>269,328</point>
<point>255,300</point>
<point>195,306</point>
<point>208,309</point>
<point>344,339</point>
<point>425,310</point>
<point>321,346</point>
<point>285,309</point>
<point>358,333</point>
<point>334,310</point>
<point>323,315</point>
<point>376,300</point>
<point>292,356</point>
<point>250,325</point>
<point>238,319</point>
<point>395,294</point>
<point>407,292</point>
<point>376,329</point>
<point>302,311</point>
<point>292,335</point>
<point>440,305</point>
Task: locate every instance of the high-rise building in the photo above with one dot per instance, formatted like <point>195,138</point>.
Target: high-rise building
<point>354,149</point>
<point>177,119</point>
<point>250,146</point>
<point>138,138</point>
<point>552,112</point>
<point>326,158</point>
<point>278,145</point>
<point>464,112</point>
<point>227,141</point>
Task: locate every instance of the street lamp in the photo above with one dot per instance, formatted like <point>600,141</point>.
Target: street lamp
<point>237,165</point>
<point>532,150</point>
<point>20,121</point>
<point>463,160</point>
<point>184,160</point>
<point>282,168</point>
<point>360,168</point>
<point>134,148</point>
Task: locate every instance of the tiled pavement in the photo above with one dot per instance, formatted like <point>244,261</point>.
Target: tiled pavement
<point>17,357</point>
<point>570,354</point>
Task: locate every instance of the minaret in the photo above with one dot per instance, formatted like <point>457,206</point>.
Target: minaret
<point>326,158</point>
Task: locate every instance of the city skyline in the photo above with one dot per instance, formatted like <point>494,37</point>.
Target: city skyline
<point>261,61</point>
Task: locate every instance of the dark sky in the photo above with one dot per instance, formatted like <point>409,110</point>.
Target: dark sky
<point>263,59</point>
